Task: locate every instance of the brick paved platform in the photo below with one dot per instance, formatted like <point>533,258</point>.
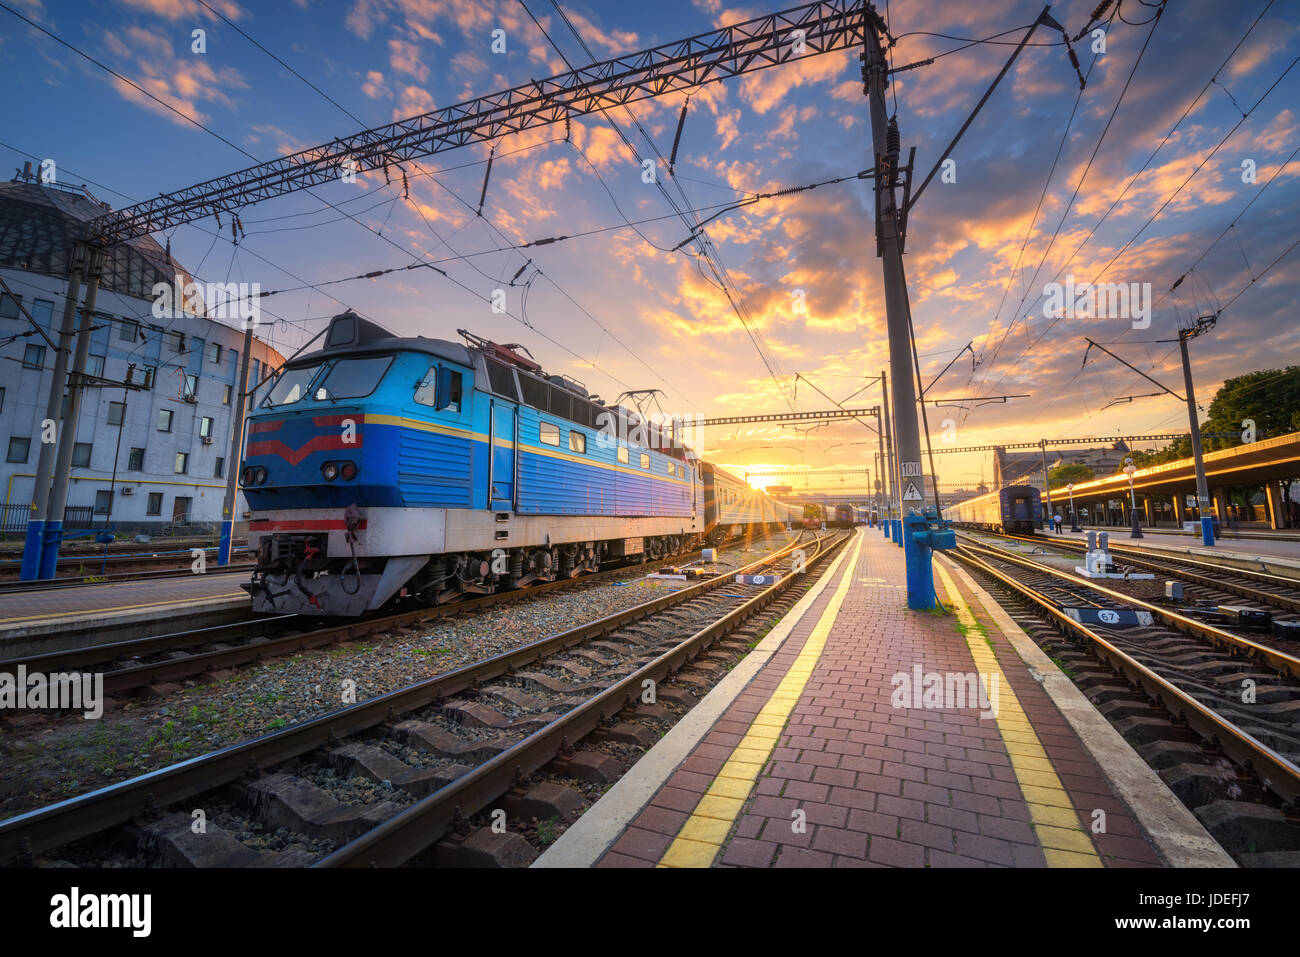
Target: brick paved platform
<point>820,761</point>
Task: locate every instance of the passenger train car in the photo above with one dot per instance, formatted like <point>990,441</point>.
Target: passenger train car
<point>381,467</point>
<point>1016,509</point>
<point>733,508</point>
<point>845,516</point>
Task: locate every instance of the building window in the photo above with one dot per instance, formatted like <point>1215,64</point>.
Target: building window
<point>115,412</point>
<point>155,504</point>
<point>128,330</point>
<point>135,461</point>
<point>645,461</point>
<point>81,454</point>
<point>95,366</point>
<point>34,357</point>
<point>577,441</point>
<point>177,340</point>
<point>164,420</point>
<point>549,433</point>
<point>622,454</point>
<point>8,306</point>
<point>19,446</point>
<point>205,427</point>
<point>214,352</point>
<point>182,463</point>
<point>191,385</point>
<point>2,399</point>
<point>103,501</point>
<point>225,399</point>
<point>220,470</point>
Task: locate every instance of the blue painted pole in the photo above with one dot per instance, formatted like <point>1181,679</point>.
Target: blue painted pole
<point>1207,530</point>
<point>223,553</point>
<point>920,572</point>
<point>885,526</point>
<point>32,548</point>
<point>898,534</point>
<point>50,550</point>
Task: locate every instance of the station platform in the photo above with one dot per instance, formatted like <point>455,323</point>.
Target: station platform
<point>111,611</point>
<point>821,749</point>
<point>1278,551</point>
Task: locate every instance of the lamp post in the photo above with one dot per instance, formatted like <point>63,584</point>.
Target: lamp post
<point>1074,516</point>
<point>1129,469</point>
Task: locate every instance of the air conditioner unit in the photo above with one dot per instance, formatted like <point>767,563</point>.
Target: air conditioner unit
<point>191,399</point>
<point>128,490</point>
<point>207,440</point>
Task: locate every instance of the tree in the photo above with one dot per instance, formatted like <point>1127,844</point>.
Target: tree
<point>1075,472</point>
<point>1270,398</point>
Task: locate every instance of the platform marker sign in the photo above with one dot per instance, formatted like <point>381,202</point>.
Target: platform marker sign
<point>911,494</point>
<point>911,469</point>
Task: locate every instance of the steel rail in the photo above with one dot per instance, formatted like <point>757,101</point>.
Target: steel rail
<point>405,835</point>
<point>1275,771</point>
<point>1156,562</point>
<point>145,673</point>
<point>1235,644</point>
<point>84,815</point>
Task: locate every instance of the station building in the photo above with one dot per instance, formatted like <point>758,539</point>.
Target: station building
<point>146,459</point>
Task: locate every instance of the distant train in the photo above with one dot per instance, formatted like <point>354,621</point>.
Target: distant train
<point>1014,510</point>
<point>845,516</point>
<point>380,467</point>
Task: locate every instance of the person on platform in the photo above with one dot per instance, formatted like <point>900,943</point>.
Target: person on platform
<point>1056,520</point>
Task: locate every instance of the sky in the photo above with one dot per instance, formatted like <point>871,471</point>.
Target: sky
<point>1176,160</point>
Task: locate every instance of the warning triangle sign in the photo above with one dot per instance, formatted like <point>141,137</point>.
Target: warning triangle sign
<point>911,494</point>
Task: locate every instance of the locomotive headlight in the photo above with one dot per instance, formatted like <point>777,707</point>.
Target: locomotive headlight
<point>261,475</point>
<point>249,475</point>
<point>348,471</point>
<point>330,470</point>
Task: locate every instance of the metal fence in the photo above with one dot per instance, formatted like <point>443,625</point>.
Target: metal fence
<point>14,516</point>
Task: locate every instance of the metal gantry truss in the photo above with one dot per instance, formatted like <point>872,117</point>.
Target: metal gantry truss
<point>790,417</point>
<point>800,32</point>
<point>1086,440</point>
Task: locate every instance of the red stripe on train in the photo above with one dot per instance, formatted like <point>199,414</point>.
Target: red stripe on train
<point>317,443</point>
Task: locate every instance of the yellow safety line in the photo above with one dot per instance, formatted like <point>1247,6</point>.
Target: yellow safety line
<point>701,837</point>
<point>1064,840</point>
<point>153,604</point>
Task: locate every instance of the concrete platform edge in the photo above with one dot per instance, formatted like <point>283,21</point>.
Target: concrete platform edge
<point>593,833</point>
<point>1178,836</point>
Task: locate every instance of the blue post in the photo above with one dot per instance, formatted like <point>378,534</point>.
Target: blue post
<point>32,549</point>
<point>1207,530</point>
<point>898,533</point>
<point>885,526</point>
<point>50,551</point>
<point>920,573</point>
<point>223,553</point>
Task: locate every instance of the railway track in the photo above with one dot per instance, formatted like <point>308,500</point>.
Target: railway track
<point>1264,589</point>
<point>14,586</point>
<point>1215,714</point>
<point>96,566</point>
<point>132,665</point>
<point>379,782</point>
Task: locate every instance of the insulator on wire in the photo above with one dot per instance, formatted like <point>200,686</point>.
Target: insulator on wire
<point>406,186</point>
<point>677,139</point>
<point>893,141</point>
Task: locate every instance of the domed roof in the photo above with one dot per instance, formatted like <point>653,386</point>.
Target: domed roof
<point>40,223</point>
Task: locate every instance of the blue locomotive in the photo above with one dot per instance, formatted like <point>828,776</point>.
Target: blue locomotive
<point>1014,510</point>
<point>380,467</point>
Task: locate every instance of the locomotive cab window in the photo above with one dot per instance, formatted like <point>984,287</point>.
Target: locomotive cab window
<point>352,378</point>
<point>549,433</point>
<point>577,441</point>
<point>291,386</point>
<point>622,454</point>
<point>440,388</point>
